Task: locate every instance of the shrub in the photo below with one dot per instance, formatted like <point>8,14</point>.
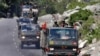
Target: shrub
<point>81,15</point>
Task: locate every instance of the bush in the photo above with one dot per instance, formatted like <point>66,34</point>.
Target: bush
<point>85,31</point>
<point>74,4</point>
<point>50,10</point>
<point>3,6</point>
<point>86,26</point>
<point>81,15</point>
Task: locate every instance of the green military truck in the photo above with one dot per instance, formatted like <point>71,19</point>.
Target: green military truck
<point>60,42</point>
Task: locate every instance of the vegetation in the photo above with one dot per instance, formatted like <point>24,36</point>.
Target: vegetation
<point>50,10</point>
<point>72,5</point>
<point>62,6</point>
<point>3,5</point>
<point>53,5</point>
<point>81,15</point>
<point>86,26</point>
<point>87,20</point>
<point>86,33</point>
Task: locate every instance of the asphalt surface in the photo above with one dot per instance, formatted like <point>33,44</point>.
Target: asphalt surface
<point>9,42</point>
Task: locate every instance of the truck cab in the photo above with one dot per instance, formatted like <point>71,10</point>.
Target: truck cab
<point>23,21</point>
<point>30,36</point>
<point>61,42</point>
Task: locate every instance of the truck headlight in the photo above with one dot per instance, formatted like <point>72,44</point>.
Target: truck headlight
<point>51,49</point>
<point>74,49</point>
<point>37,37</point>
<point>51,42</point>
<point>23,37</point>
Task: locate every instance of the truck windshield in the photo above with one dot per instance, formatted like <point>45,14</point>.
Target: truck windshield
<point>26,28</point>
<point>25,14</point>
<point>62,34</point>
<point>26,20</point>
<point>26,6</point>
<point>30,30</point>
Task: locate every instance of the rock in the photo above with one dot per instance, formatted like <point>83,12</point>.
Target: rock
<point>83,52</point>
<point>94,40</point>
<point>92,48</point>
<point>83,43</point>
<point>86,55</point>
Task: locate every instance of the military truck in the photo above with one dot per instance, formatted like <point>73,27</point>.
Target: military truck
<point>60,42</point>
<point>30,36</point>
<point>26,10</point>
<point>31,11</point>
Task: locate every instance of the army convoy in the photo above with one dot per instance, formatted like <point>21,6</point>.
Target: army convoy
<point>28,31</point>
<point>57,41</point>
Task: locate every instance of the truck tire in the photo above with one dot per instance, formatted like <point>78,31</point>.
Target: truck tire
<point>21,45</point>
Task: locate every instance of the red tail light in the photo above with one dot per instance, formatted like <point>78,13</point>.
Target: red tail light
<point>69,54</point>
<point>47,49</point>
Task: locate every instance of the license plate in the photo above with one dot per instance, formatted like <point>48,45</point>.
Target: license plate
<point>33,45</point>
<point>25,45</point>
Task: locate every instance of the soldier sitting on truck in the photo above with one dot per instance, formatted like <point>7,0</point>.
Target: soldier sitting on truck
<point>63,24</point>
<point>30,13</point>
<point>55,24</point>
<point>35,13</point>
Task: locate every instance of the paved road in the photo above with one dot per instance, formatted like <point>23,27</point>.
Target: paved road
<point>9,42</point>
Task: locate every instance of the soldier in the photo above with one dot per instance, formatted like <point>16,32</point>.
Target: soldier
<point>30,13</point>
<point>35,13</point>
<point>63,24</point>
<point>55,24</point>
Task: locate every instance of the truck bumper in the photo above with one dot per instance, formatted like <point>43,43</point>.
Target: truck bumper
<point>30,42</point>
<point>62,53</point>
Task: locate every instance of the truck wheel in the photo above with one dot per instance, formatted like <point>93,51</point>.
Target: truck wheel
<point>21,45</point>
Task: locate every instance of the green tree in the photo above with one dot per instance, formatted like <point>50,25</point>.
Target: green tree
<point>3,5</point>
<point>50,10</point>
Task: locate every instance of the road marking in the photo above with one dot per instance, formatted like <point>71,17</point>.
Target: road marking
<point>15,29</point>
<point>16,26</point>
<point>21,54</point>
<point>16,46</point>
<point>15,43</point>
<point>13,32</point>
<point>18,50</point>
<point>13,39</point>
